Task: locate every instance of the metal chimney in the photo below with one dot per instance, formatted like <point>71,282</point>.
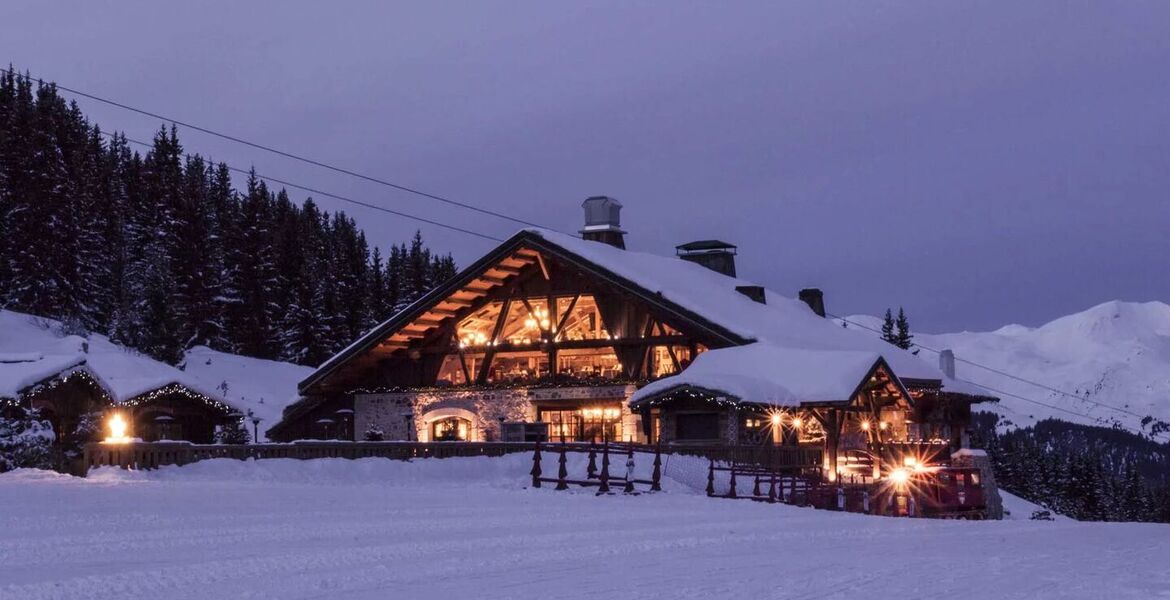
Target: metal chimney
<point>603,219</point>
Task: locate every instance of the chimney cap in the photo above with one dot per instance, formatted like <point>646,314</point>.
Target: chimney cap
<point>706,246</point>
<point>603,219</point>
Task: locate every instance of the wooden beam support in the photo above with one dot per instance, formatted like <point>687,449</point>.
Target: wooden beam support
<point>484,370</point>
<point>670,351</point>
<point>543,267</point>
<point>463,364</point>
<point>565,317</point>
<point>494,281</point>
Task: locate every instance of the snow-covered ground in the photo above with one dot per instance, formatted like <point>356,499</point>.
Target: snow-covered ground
<point>1116,353</point>
<point>468,528</point>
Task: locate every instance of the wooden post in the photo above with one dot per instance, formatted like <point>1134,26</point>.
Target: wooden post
<point>731,489</point>
<point>656,476</point>
<point>591,473</point>
<point>756,486</point>
<point>536,466</point>
<point>604,487</point>
<point>711,478</point>
<point>562,471</point>
<point>629,489</point>
<point>772,489</point>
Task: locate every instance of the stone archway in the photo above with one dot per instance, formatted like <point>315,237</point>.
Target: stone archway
<point>450,424</point>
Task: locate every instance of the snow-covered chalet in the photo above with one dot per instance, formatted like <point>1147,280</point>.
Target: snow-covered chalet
<point>559,338</point>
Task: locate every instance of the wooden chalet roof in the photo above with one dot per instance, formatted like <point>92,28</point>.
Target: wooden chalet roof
<point>451,300</point>
<point>706,302</point>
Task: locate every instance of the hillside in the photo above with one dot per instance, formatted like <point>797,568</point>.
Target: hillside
<point>1116,353</point>
<point>32,348</point>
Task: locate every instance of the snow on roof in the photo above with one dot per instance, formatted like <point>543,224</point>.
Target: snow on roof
<point>44,352</point>
<point>17,376</point>
<point>767,374</point>
<point>783,322</point>
<point>265,387</point>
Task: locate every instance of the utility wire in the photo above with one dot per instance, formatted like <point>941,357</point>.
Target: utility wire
<point>286,154</point>
<point>1014,377</point>
<point>327,194</point>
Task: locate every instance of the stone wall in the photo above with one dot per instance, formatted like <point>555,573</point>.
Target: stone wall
<point>407,415</point>
<point>968,457</point>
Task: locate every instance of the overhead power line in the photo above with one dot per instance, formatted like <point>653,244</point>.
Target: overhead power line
<point>287,154</point>
<point>1014,377</point>
<point>329,194</point>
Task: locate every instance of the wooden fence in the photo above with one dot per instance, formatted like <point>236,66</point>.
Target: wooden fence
<point>151,455</point>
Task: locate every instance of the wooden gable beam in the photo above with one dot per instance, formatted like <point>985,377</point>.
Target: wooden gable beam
<point>501,268</point>
<point>565,317</point>
<point>490,353</point>
<point>543,267</point>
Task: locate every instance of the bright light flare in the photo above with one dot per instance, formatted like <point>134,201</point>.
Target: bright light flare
<point>118,426</point>
<point>900,476</point>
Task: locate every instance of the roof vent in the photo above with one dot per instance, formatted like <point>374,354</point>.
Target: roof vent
<point>713,254</point>
<point>603,220</point>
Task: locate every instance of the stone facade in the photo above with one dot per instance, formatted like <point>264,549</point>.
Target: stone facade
<point>408,415</point>
<point>978,459</point>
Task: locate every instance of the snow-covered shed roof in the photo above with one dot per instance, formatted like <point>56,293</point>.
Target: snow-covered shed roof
<point>765,374</point>
<point>18,372</point>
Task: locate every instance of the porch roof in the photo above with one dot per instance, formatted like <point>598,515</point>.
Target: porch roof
<point>763,373</point>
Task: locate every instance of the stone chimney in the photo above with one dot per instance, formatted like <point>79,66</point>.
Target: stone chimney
<point>946,363</point>
<point>815,299</point>
<point>713,254</point>
<point>603,219</point>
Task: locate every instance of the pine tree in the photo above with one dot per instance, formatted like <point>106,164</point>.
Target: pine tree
<point>902,338</point>
<point>378,299</point>
<point>160,253</point>
<point>888,328</point>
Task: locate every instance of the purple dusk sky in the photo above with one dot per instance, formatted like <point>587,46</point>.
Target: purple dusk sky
<point>978,163</point>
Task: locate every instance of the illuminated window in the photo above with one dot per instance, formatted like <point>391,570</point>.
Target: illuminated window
<point>451,429</point>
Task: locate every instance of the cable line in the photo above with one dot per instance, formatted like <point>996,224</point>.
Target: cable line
<point>286,154</point>
<point>328,194</point>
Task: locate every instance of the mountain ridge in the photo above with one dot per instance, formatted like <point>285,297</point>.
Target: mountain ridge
<point>1114,354</point>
